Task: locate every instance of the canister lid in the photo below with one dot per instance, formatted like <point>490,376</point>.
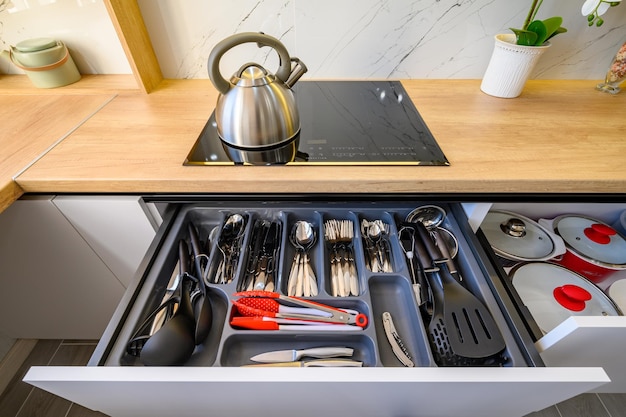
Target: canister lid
<point>514,236</point>
<point>553,293</point>
<point>35,44</point>
<point>592,239</point>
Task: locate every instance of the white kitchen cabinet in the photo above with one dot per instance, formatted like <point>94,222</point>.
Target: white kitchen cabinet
<point>220,387</point>
<point>119,229</point>
<point>53,284</point>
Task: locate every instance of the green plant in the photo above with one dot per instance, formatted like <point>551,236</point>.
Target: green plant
<point>536,32</point>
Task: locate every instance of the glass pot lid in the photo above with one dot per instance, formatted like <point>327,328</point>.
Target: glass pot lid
<point>592,239</point>
<point>514,236</point>
<point>553,293</point>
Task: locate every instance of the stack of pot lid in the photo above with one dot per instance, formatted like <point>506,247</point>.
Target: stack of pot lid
<point>517,238</point>
<point>553,293</point>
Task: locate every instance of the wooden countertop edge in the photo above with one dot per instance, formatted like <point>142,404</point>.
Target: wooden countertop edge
<point>468,175</point>
<point>9,193</point>
<point>429,186</point>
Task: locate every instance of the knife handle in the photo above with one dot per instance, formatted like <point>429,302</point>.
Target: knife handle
<point>324,363</point>
<point>326,352</point>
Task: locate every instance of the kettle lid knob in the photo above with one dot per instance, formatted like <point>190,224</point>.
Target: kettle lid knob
<point>252,72</point>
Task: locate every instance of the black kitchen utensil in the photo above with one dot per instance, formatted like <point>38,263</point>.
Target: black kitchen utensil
<point>174,342</point>
<point>203,312</point>
<point>472,332</point>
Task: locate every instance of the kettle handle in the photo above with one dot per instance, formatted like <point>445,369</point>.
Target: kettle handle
<point>262,40</point>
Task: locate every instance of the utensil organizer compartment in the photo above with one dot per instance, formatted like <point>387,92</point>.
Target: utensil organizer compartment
<point>379,292</point>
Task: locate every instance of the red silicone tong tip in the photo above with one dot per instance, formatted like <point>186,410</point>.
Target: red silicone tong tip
<point>250,311</point>
<point>265,304</point>
<point>266,294</point>
<point>253,323</point>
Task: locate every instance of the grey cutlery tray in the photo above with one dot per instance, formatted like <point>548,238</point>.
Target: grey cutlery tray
<point>379,292</point>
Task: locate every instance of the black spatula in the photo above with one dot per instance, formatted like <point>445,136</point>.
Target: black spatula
<point>472,332</point>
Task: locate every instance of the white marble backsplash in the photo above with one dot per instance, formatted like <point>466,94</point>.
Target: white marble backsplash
<point>335,38</point>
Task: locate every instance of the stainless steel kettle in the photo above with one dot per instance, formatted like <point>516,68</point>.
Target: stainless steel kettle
<point>256,109</point>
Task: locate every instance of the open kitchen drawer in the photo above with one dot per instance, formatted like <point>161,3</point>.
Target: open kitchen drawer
<point>579,340</point>
<point>212,381</point>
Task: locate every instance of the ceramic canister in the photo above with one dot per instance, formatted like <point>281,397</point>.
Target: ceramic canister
<point>46,62</point>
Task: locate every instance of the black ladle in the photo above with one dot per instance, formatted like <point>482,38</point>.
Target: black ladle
<point>174,342</point>
<point>202,310</point>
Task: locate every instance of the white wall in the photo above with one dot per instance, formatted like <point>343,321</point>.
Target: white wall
<point>84,26</point>
<point>335,38</point>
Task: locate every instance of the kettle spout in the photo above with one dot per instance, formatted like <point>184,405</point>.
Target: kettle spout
<point>297,71</point>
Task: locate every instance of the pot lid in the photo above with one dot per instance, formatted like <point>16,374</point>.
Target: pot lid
<point>617,291</point>
<point>36,44</point>
<point>592,239</point>
<point>553,293</point>
<point>515,236</point>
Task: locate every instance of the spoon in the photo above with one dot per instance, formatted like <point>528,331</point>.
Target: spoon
<point>303,238</point>
<point>233,224</point>
<point>375,234</point>
<point>232,229</point>
<point>429,216</point>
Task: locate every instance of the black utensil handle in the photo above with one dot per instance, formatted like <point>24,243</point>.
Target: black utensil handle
<point>198,255</point>
<point>183,257</point>
<point>195,241</point>
<point>434,254</point>
<point>445,251</point>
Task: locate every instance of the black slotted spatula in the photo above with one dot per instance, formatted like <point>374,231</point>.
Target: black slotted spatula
<point>471,329</point>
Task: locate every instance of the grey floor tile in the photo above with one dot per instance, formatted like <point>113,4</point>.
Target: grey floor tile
<point>548,412</point>
<point>615,404</point>
<point>43,404</point>
<point>585,405</point>
<point>79,411</point>
<point>17,393</point>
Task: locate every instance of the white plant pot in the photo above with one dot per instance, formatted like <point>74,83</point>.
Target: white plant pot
<point>510,66</point>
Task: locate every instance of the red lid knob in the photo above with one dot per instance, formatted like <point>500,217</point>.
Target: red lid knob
<point>572,297</point>
<point>600,233</point>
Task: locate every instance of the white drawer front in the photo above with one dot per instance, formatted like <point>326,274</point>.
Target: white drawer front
<point>363,392</point>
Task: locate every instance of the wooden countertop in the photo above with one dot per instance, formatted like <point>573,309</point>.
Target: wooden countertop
<point>558,137</point>
<point>31,124</point>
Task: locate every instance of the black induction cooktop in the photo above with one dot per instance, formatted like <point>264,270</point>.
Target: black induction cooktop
<point>342,123</point>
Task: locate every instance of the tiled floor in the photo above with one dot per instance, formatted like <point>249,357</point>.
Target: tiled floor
<point>23,400</point>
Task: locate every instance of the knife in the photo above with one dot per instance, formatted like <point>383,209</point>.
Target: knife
<point>291,355</point>
<point>320,363</point>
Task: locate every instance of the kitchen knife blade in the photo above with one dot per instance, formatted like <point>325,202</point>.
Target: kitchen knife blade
<point>292,355</point>
<point>319,363</point>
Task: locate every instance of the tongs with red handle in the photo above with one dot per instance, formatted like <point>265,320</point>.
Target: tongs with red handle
<point>265,304</point>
